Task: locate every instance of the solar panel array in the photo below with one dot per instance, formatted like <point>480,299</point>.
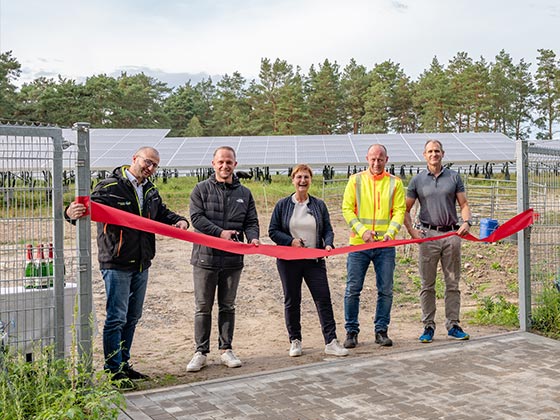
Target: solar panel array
<point>114,147</point>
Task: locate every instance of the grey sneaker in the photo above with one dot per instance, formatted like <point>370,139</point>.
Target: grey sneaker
<point>334,348</point>
<point>295,348</point>
<point>230,359</point>
<point>197,362</point>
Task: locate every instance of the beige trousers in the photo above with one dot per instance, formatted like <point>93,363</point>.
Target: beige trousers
<point>448,252</point>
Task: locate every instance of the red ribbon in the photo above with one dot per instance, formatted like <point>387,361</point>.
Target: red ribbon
<point>105,214</point>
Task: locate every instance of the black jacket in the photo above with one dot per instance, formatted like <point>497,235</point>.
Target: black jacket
<point>279,228</point>
<point>123,248</point>
<point>217,206</point>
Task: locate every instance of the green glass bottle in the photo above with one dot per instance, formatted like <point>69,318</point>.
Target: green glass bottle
<point>50,261</point>
<point>40,262</point>
<point>29,264</point>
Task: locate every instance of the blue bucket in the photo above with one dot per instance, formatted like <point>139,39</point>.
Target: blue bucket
<point>487,227</point>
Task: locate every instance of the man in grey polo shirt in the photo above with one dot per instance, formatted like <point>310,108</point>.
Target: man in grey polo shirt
<point>438,189</point>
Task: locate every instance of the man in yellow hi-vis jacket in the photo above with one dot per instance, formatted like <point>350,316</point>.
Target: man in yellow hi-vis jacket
<point>374,208</point>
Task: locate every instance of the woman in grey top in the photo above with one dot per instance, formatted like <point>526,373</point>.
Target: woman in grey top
<point>301,220</point>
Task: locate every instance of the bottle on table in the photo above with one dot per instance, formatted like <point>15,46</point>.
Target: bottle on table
<point>29,263</point>
<point>41,263</point>
<point>50,261</point>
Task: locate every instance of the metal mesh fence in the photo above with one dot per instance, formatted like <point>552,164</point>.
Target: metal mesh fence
<point>37,286</point>
<point>544,198</point>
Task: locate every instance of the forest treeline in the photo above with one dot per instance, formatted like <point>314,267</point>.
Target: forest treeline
<point>464,95</point>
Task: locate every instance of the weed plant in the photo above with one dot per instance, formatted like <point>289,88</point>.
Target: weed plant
<point>546,314</point>
<point>495,310</point>
<point>53,388</point>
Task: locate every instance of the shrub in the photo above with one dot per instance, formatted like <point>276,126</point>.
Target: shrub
<point>51,388</point>
<point>495,311</point>
<point>546,314</point>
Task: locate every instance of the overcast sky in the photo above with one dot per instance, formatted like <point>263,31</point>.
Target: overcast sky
<point>180,39</point>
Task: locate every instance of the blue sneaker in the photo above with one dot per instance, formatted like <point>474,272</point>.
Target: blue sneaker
<point>427,336</point>
<point>457,333</point>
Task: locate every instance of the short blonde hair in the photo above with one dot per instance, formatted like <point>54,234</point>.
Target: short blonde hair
<point>302,167</point>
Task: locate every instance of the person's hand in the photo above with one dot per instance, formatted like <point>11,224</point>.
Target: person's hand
<point>368,236</point>
<point>182,224</point>
<point>298,243</point>
<point>463,229</point>
<point>415,233</point>
<point>328,248</point>
<point>386,238</point>
<point>229,235</point>
<point>255,242</point>
<point>76,210</point>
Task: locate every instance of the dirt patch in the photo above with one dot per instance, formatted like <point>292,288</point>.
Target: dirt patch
<point>164,338</point>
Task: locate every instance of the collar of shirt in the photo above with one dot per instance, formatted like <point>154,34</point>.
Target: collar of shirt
<point>137,187</point>
<point>306,202</point>
<point>133,179</point>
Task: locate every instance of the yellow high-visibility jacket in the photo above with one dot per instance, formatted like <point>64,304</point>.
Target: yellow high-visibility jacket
<point>374,202</point>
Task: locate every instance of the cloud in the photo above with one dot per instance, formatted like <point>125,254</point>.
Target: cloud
<point>399,5</point>
<point>172,79</point>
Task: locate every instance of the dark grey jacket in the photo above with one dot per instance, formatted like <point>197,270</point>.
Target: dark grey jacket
<point>217,206</point>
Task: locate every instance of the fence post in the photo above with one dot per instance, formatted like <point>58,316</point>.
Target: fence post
<point>523,237</point>
<point>83,238</point>
<point>58,236</point>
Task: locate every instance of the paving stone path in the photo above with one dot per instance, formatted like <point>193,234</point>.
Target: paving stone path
<point>508,376</point>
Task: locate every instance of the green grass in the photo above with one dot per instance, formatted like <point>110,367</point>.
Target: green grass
<point>546,314</point>
<point>494,310</point>
<point>51,388</point>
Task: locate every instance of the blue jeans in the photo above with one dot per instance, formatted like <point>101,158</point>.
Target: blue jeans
<point>357,265</point>
<point>125,292</point>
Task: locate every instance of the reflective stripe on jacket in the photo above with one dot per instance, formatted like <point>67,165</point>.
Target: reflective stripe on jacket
<point>373,202</point>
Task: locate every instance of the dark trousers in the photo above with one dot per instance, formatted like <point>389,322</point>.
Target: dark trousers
<point>314,272</point>
<point>206,283</point>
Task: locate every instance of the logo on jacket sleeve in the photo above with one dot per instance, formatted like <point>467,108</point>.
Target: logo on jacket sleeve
<point>240,200</point>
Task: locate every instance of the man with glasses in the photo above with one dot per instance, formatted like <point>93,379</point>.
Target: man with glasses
<point>125,254</point>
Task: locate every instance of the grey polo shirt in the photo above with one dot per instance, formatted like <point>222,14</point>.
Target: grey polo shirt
<point>437,196</point>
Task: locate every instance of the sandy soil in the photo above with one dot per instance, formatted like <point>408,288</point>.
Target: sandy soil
<point>164,338</point>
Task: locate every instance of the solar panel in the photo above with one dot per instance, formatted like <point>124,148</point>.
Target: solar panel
<point>114,147</point>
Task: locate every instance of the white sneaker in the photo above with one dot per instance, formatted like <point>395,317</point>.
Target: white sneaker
<point>334,348</point>
<point>197,362</point>
<point>230,359</point>
<point>295,348</point>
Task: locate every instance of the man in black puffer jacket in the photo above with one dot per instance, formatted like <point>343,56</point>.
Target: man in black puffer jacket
<point>125,254</point>
<point>221,207</point>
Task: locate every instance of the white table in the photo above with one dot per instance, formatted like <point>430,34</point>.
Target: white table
<point>28,316</point>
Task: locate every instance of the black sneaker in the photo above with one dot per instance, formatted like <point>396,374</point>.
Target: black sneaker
<point>351,340</point>
<point>383,339</point>
<point>134,374</point>
<point>122,382</point>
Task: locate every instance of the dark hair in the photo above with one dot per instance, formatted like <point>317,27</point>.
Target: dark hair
<point>433,141</point>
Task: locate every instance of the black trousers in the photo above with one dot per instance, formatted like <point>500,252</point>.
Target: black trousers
<point>314,272</point>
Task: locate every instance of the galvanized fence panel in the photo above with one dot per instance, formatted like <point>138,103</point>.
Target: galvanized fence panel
<point>544,197</point>
<point>36,305</point>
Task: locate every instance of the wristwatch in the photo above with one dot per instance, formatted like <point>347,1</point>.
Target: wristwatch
<point>468,222</point>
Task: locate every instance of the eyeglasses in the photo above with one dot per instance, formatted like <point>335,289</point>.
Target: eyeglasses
<point>149,162</point>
